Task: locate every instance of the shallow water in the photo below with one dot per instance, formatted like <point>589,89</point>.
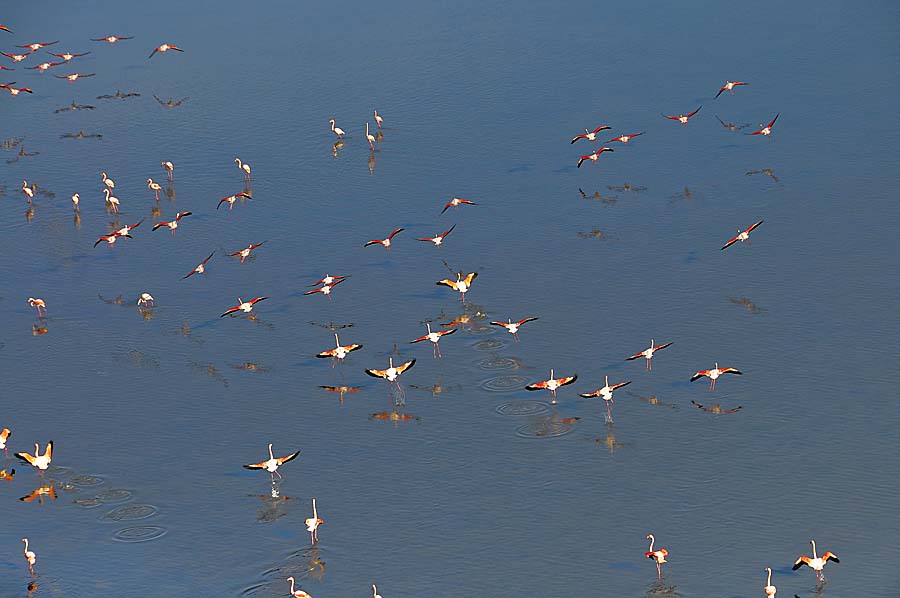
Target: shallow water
<point>486,492</point>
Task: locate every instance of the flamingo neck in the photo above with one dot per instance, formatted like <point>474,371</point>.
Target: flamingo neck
<point>271,456</point>
<point>813,542</point>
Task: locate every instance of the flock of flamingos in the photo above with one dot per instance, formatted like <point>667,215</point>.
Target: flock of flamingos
<point>461,284</point>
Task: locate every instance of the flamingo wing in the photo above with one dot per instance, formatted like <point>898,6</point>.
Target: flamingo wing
<point>377,373</point>
<point>567,380</point>
<point>694,112</point>
<point>730,242</point>
<point>601,128</point>
<point>772,122</point>
<point>286,458</point>
<point>447,283</point>
<point>731,371</point>
<point>525,321</point>
<point>590,395</point>
<point>802,560</point>
<point>421,338</point>
<point>699,375</point>
<point>470,277</point>
<point>159,224</point>
<point>254,301</point>
<point>260,465</point>
<point>830,556</point>
<point>724,87</point>
<point>620,384</point>
<point>577,137</point>
<point>374,242</point>
<point>155,50</point>
<point>537,385</point>
<point>405,366</point>
<point>753,226</point>
<point>661,347</point>
<point>231,311</point>
<point>27,458</point>
<point>448,231</point>
<point>635,356</point>
<point>396,230</point>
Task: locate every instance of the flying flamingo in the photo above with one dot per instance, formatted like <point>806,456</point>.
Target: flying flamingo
<point>244,167</point>
<point>112,201</point>
<point>626,138</point>
<point>17,57</point>
<point>172,224</point>
<point>769,589</point>
<point>201,268</point>
<point>370,138</point>
<point>339,132</point>
<point>146,300</point>
<point>74,76</point>
<point>110,238</point>
<point>339,352</point>
<point>244,306</point>
<point>456,201</point>
<point>126,230</point>
<point>378,119</point>
<point>606,392</point>
<point>44,66</point>
<point>67,56</point>
<point>155,187</point>
<point>41,462</point>
<point>4,436</point>
<point>743,235</point>
<point>38,304</point>
<point>766,130</point>
<point>392,374</point>
<point>313,523</point>
<point>648,353</point>
<point>233,198</point>
<point>14,91</point>
<point>28,191</point>
<point>438,239</point>
<point>327,280</point>
<point>683,118</point>
<point>30,557</point>
<point>272,464</point>
<point>434,337</point>
<point>713,374</point>
<point>590,135</point>
<point>325,289</point>
<point>164,48</point>
<point>385,242</point>
<point>595,155</point>
<point>297,593</point>
<point>245,253</point>
<point>552,384</point>
<point>5,28</point>
<point>170,168</point>
<point>513,327</point>
<point>658,556</point>
<point>111,38</point>
<point>462,285</point>
<point>816,563</point>
<point>729,85</point>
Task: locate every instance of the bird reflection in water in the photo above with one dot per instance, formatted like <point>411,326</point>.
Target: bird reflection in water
<point>626,188</point>
<point>731,126</point>
<point>609,441</point>
<point>337,147</point>
<point>653,400</point>
<point>395,416</point>
<point>11,142</point>
<point>716,408</point>
<point>29,214</point>
<point>210,370</point>
<point>39,330</point>
<point>659,589</point>
<point>171,102</point>
<point>32,588</point>
<point>39,493</point>
<point>119,96</point>
<point>7,475</point>
<point>766,171</point>
<point>73,106</point>
<point>747,304</point>
<point>22,154</point>
<point>272,509</point>
<point>371,162</point>
<point>436,389</point>
<point>170,191</point>
<point>607,201</point>
<point>332,326</point>
<point>81,135</point>
<point>341,390</point>
<point>685,194</point>
<point>250,366</point>
<point>594,233</point>
<point>76,220</point>
<point>117,301</point>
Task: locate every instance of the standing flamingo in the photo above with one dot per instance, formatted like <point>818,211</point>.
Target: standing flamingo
<point>370,138</point>
<point>111,200</point>
<point>312,524</point>
<point>339,132</point>
<point>378,119</point>
<point>29,556</point>
<point>244,167</point>
<point>658,556</point>
<point>170,169</point>
<point>297,593</point>
<point>816,563</point>
<point>155,187</point>
<point>769,589</point>
<point>28,191</point>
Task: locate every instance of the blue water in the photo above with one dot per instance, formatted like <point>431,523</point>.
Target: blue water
<point>480,102</point>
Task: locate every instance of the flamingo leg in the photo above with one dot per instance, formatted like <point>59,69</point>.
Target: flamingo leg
<point>658,571</point>
<point>649,364</point>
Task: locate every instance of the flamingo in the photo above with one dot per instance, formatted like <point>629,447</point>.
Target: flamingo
<point>244,167</point>
<point>713,374</point>
<point>39,493</point>
<point>375,593</point>
<point>313,523</point>
<point>595,155</point>
<point>233,198</point>
<point>648,353</point>
<point>816,563</point>
<point>339,132</point>
<point>606,392</point>
<point>766,130</point>
<point>339,352</point>
<point>75,199</point>
<point>437,239</point>
<point>17,57</point>
<point>626,138</point>
<point>112,201</point>
<point>462,285</point>
<point>730,85</point>
<point>378,119</point>
<point>392,374</point>
<point>5,28</point>
<point>155,187</point>
<point>111,38</point>
<point>370,138</point>
<point>552,384</point>
<point>434,337</point>
<point>272,463</point>
<point>456,201</point>
<point>769,589</point>
<point>385,242</point>
<point>30,557</point>
<point>14,91</point>
<point>245,253</point>
<point>297,593</point>
<point>170,169</point>
<point>126,230</point>
<point>743,235</point>
<point>164,48</point>
<point>110,238</point>
<point>74,76</point>
<point>590,135</point>
<point>513,327</point>
<point>44,66</point>
<point>28,191</point>
<point>172,224</point>
<point>146,300</point>
<point>201,268</point>
<point>327,280</point>
<point>4,436</point>
<point>683,118</point>
<point>658,556</point>
<point>67,56</point>
<point>325,289</point>
<point>41,462</point>
<point>37,304</point>
<point>244,306</point>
